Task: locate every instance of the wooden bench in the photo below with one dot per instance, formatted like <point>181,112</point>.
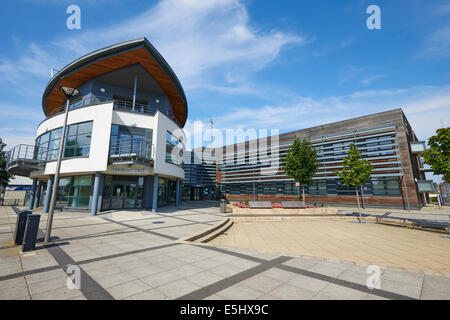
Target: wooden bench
<point>260,204</point>
<point>292,205</point>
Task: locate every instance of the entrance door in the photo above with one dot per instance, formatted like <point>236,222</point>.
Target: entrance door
<point>123,196</point>
<point>118,192</point>
<point>129,201</point>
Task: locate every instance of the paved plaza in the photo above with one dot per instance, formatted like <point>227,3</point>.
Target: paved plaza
<point>138,255</point>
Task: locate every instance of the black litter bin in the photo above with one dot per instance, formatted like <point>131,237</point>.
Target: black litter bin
<point>21,222</point>
<point>31,232</point>
<point>223,205</point>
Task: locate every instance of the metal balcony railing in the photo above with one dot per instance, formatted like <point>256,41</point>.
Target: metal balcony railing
<point>22,159</point>
<point>120,105</point>
<point>22,152</point>
<point>132,148</point>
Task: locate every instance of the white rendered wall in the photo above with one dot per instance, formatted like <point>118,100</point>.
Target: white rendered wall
<point>101,115</point>
<point>162,167</point>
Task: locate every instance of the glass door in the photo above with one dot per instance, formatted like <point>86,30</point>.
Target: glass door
<point>130,196</point>
<point>117,196</point>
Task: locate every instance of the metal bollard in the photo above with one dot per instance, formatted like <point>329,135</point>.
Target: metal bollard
<point>31,232</point>
<point>21,222</point>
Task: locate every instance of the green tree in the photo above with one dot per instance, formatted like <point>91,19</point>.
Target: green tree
<point>355,172</point>
<point>4,175</point>
<point>438,155</point>
<point>301,163</point>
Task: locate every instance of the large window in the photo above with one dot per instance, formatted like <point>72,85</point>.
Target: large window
<point>386,186</point>
<point>47,145</point>
<point>78,140</point>
<point>74,192</point>
<point>174,149</point>
<point>131,140</point>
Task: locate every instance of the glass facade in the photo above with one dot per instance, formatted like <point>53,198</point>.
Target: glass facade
<point>174,149</point>
<point>74,192</point>
<point>123,192</point>
<point>131,140</point>
<point>78,140</point>
<point>47,145</point>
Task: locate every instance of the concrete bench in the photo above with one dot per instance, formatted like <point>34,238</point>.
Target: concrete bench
<point>260,204</point>
<point>379,218</point>
<point>432,224</point>
<point>292,205</point>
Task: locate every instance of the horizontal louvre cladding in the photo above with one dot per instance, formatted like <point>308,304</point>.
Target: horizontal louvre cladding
<point>198,172</point>
<point>247,170</point>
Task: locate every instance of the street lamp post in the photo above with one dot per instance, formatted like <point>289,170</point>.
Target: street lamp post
<point>68,93</point>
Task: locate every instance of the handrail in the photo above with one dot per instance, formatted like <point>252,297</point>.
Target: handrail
<point>137,147</point>
<point>120,105</point>
<point>24,152</point>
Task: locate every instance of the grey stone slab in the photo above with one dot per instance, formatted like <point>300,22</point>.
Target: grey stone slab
<point>47,275</point>
<point>105,271</point>
<point>261,283</point>
<point>307,283</point>
<point>204,278</point>
<point>128,289</point>
<point>159,279</point>
<point>342,293</point>
<point>354,277</point>
<point>178,288</point>
<point>302,263</point>
<point>430,294</point>
<point>115,279</point>
<point>289,292</point>
<point>226,270</point>
<point>46,285</point>
<point>403,276</point>
<point>57,294</point>
<point>240,292</point>
<point>170,264</point>
<point>406,289</point>
<point>151,294</point>
<point>278,274</point>
<point>186,270</point>
<point>207,264</point>
<point>145,271</point>
<point>13,289</point>
<point>437,283</point>
<point>330,269</point>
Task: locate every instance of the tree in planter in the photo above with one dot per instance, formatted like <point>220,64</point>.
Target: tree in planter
<point>355,172</point>
<point>4,175</point>
<point>438,155</point>
<point>301,163</point>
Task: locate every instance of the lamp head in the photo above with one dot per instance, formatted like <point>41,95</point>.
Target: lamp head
<point>69,92</point>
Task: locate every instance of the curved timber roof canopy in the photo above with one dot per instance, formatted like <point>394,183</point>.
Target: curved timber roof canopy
<point>97,63</point>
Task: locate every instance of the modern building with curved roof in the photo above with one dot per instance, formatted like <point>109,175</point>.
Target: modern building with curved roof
<point>124,139</point>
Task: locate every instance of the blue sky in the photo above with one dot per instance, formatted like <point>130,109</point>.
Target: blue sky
<point>262,64</point>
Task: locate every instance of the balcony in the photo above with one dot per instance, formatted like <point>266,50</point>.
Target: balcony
<point>23,159</point>
<point>119,105</point>
<point>132,151</point>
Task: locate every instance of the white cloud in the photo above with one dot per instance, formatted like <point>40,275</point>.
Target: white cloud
<point>427,108</point>
<point>195,37</point>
